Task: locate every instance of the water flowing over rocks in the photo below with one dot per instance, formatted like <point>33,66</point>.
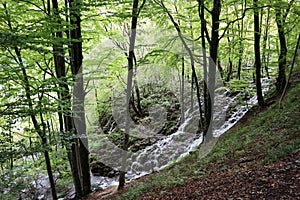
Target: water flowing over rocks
<point>154,153</point>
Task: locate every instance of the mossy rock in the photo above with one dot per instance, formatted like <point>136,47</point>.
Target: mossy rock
<point>142,144</point>
<point>100,169</point>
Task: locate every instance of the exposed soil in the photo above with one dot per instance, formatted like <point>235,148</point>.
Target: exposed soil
<point>244,180</point>
<point>278,180</point>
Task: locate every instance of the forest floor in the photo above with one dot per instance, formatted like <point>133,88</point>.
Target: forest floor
<point>259,158</point>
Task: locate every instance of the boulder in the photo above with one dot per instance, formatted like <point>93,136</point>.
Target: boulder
<point>100,169</point>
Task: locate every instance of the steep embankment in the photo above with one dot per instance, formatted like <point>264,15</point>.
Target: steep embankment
<point>258,158</point>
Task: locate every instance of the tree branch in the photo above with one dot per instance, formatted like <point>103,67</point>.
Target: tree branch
<point>141,7</point>
<point>237,19</point>
<point>288,9</point>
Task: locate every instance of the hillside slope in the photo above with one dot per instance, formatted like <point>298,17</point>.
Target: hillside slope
<point>259,158</point>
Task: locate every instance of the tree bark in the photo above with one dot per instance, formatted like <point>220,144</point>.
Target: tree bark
<point>203,44</point>
<point>290,73</point>
<point>64,113</point>
<point>240,35</point>
<point>265,60</point>
<point>182,91</point>
<point>229,73</point>
<point>134,18</point>
<point>257,54</point>
<point>36,124</point>
<point>79,94</point>
<point>32,115</point>
<point>192,60</point>
<point>281,78</point>
<point>213,50</point>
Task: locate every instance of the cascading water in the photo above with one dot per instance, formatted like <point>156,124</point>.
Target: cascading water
<point>175,146</point>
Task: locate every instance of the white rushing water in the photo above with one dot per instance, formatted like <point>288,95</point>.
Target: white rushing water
<point>172,148</point>
<point>177,145</point>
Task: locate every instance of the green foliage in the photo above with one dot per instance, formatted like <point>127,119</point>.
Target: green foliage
<point>271,134</point>
<point>28,34</point>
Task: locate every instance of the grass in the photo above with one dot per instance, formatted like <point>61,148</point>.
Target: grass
<point>266,135</point>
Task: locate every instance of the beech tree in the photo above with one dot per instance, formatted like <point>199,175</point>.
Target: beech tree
<point>257,63</point>
<point>43,45</point>
<point>282,10</point>
<point>135,14</point>
<point>33,110</point>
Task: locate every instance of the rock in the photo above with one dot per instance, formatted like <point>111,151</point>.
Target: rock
<point>100,169</point>
<point>142,144</point>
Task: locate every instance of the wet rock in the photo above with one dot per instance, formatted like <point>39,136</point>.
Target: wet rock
<point>142,144</point>
<point>100,169</point>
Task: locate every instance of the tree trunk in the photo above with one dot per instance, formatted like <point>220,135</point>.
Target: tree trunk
<point>35,123</point>
<point>281,78</point>
<point>182,91</point>
<point>28,93</point>
<point>11,149</point>
<point>213,58</point>
<point>138,98</point>
<point>79,94</point>
<point>192,60</point>
<point>240,35</point>
<point>65,119</point>
<point>257,55</point>
<point>265,40</point>
<point>203,44</point>
<point>129,91</point>
<point>220,68</point>
<point>46,154</point>
<point>290,73</point>
<point>229,73</point>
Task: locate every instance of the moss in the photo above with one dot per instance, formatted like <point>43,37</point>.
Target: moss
<point>268,134</point>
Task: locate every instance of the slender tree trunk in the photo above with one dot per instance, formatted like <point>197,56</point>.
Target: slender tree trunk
<point>137,90</point>
<point>281,78</point>
<point>73,154</point>
<point>290,73</point>
<point>28,93</point>
<point>46,155</point>
<point>203,44</point>
<point>36,124</point>
<point>192,94</point>
<point>220,68</point>
<point>265,40</point>
<point>240,35</point>
<point>230,64</point>
<point>64,113</point>
<point>135,109</point>
<point>79,94</point>
<point>138,98</point>
<point>280,21</point>
<point>257,54</point>
<point>230,67</point>
<point>11,148</point>
<point>192,60</point>
<point>182,90</point>
<point>130,59</point>
<point>59,63</point>
<point>213,59</point>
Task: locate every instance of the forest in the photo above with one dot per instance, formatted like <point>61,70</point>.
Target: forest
<point>98,93</point>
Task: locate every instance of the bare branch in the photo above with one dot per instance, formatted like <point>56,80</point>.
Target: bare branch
<point>240,18</point>
<point>288,9</point>
<point>141,7</point>
<point>209,11</point>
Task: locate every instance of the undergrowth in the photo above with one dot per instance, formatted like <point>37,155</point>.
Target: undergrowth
<point>266,135</point>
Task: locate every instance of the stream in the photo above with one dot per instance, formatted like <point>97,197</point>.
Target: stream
<point>170,149</point>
